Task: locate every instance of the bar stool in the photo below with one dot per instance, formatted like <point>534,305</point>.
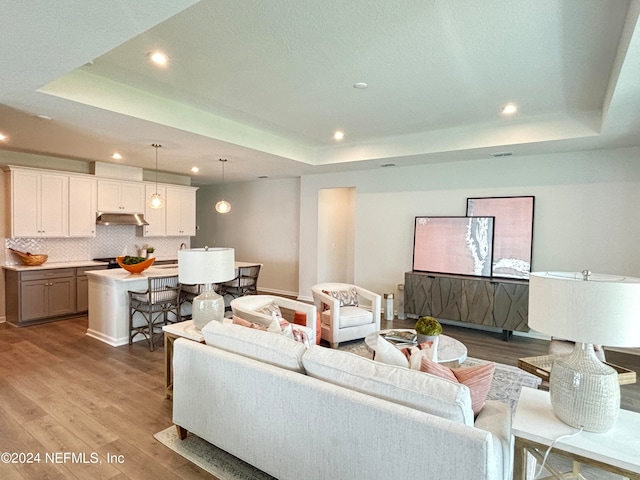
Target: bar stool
<point>161,299</point>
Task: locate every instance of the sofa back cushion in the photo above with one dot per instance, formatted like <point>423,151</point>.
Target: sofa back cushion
<point>400,385</point>
<point>256,344</point>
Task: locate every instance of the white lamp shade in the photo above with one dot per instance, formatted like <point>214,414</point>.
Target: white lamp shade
<point>206,265</point>
<point>604,310</point>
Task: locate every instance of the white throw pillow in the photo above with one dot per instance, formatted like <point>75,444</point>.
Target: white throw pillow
<point>387,353</point>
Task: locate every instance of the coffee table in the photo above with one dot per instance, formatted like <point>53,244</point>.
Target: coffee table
<point>449,349</point>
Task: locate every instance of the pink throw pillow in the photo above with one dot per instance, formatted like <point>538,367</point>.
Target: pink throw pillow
<point>478,378</point>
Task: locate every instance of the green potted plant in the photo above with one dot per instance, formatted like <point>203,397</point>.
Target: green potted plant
<point>428,329</point>
<point>150,251</point>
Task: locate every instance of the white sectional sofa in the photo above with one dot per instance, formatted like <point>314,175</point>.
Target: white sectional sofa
<point>317,413</point>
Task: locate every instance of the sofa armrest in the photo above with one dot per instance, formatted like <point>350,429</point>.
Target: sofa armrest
<point>495,418</point>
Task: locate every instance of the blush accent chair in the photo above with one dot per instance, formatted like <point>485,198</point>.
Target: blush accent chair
<point>347,312</point>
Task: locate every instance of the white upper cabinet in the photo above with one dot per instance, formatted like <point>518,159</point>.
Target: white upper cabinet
<point>82,206</point>
<point>39,203</point>
<point>155,217</point>
<point>120,196</point>
<point>181,211</point>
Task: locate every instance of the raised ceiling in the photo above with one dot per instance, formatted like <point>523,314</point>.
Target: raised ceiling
<point>265,83</point>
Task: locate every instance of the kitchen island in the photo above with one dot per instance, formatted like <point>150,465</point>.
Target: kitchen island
<point>109,300</point>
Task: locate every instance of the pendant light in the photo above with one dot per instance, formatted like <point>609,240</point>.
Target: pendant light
<point>155,200</point>
<point>223,206</point>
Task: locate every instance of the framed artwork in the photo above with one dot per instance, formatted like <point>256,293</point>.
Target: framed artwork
<point>513,232</point>
<point>456,245</point>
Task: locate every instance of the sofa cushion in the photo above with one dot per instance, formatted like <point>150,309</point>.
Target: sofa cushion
<point>407,387</point>
<point>257,344</point>
<point>478,378</point>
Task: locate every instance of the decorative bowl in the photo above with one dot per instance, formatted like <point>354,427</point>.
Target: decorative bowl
<point>31,259</point>
<point>136,267</point>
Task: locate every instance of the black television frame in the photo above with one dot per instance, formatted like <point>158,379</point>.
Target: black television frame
<point>452,271</point>
<point>497,232</point>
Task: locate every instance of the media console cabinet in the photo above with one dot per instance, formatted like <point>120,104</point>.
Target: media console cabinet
<point>491,302</point>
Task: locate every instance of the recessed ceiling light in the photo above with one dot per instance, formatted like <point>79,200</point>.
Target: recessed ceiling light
<point>116,156</point>
<point>44,117</point>
<point>509,109</point>
<point>158,58</point>
<point>3,137</point>
<point>195,169</point>
<point>360,85</point>
<point>338,135</point>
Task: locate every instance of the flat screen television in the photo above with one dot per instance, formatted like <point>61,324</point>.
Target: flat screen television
<point>456,245</point>
<point>513,234</point>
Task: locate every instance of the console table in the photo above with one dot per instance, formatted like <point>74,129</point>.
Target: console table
<point>491,302</point>
<point>535,426</point>
<point>172,331</point>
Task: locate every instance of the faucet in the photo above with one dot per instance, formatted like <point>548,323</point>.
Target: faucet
<point>183,246</point>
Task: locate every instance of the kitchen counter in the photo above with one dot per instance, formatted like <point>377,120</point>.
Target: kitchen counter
<point>53,265</point>
<point>109,300</point>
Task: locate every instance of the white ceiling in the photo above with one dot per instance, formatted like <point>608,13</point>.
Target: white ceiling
<point>265,83</point>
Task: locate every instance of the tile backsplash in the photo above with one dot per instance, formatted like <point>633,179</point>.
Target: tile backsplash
<point>110,241</point>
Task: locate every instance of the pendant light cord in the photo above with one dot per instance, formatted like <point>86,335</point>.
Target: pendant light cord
<point>156,146</point>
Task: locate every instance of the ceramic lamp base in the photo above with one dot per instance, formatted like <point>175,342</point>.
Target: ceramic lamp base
<point>206,307</point>
<point>585,393</point>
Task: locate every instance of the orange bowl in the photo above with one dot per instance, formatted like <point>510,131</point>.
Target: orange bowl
<point>138,267</point>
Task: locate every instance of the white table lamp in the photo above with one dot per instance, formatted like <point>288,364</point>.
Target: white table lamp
<point>585,308</point>
<point>206,266</point>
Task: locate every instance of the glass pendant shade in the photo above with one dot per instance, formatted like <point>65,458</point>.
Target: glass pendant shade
<point>223,206</point>
<point>155,200</point>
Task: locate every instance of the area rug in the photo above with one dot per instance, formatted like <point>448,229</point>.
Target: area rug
<point>209,457</point>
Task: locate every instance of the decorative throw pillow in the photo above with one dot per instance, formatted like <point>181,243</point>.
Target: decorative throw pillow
<point>270,309</point>
<point>246,323</point>
<point>477,378</point>
<point>415,354</point>
<point>300,318</point>
<point>348,297</point>
<point>386,352</point>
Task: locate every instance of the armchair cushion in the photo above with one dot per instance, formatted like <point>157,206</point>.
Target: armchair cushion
<point>350,317</point>
<point>269,309</point>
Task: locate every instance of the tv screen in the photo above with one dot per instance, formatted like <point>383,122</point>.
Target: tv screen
<point>513,233</point>
<point>456,245</point>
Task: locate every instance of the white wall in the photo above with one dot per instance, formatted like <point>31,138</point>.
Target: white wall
<point>336,228</point>
<point>586,211</point>
<point>262,226</point>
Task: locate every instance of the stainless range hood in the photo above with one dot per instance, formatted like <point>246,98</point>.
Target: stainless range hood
<point>121,219</point>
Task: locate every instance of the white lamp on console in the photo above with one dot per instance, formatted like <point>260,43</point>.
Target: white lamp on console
<point>206,266</point>
<point>585,308</point>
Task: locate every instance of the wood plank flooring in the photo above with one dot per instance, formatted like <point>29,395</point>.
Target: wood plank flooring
<point>61,391</point>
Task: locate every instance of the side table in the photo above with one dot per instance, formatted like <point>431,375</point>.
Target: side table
<point>535,427</point>
<point>184,329</point>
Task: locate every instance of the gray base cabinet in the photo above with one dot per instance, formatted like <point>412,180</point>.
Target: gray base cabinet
<point>36,296</point>
<point>488,302</point>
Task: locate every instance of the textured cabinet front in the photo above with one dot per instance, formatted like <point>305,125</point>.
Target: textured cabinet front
<point>481,301</point>
<point>511,306</point>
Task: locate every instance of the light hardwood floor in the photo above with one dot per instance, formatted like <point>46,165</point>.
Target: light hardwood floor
<point>61,391</point>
